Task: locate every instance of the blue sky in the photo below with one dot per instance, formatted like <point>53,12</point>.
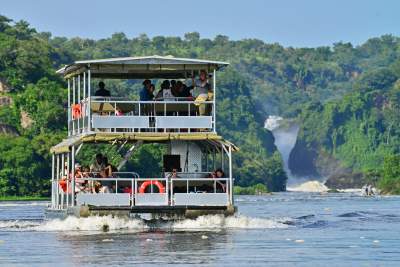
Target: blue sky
<point>297,23</point>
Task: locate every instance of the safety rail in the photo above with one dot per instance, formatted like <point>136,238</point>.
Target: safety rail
<point>133,191</point>
<point>112,114</point>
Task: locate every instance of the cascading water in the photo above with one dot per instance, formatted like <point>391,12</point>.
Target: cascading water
<point>285,134</point>
<point>285,139</point>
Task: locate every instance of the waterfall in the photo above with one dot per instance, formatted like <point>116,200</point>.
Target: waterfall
<point>285,133</point>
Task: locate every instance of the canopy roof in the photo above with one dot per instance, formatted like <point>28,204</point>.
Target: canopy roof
<point>210,138</point>
<point>147,67</point>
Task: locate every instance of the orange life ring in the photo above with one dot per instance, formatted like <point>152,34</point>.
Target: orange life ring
<point>76,111</point>
<point>145,184</point>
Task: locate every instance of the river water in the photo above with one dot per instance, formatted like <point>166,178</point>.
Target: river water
<point>283,229</point>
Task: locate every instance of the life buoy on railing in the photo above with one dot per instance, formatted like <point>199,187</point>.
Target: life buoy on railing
<point>145,184</point>
<point>63,185</point>
<point>76,111</point>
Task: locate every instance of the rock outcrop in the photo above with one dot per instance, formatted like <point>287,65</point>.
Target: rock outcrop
<point>26,120</point>
<point>8,130</point>
<point>4,87</point>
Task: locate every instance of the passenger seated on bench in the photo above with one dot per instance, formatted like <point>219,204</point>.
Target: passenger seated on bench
<point>79,178</point>
<point>97,165</point>
<point>183,90</point>
<point>219,173</point>
<point>107,172</point>
<point>102,91</point>
<point>165,91</point>
<point>173,174</point>
<point>108,169</point>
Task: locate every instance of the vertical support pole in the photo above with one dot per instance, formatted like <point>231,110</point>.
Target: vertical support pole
<point>62,177</point>
<point>58,182</point>
<point>230,175</point>
<point>222,160</point>
<point>214,98</point>
<point>84,102</point>
<point>79,102</point>
<point>73,176</point>
<point>68,171</point>
<point>53,181</point>
<point>69,106</point>
<point>73,103</point>
<point>89,105</point>
<point>207,154</point>
<point>214,159</point>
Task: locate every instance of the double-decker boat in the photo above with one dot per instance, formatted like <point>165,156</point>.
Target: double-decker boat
<point>187,185</point>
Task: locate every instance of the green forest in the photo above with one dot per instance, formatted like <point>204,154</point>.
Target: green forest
<point>344,97</point>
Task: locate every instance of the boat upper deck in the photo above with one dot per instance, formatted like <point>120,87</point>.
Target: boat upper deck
<point>196,112</point>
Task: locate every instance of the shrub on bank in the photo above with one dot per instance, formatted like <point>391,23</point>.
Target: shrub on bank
<point>257,189</point>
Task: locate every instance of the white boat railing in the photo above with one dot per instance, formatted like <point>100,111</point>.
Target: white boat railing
<point>133,191</point>
<point>112,114</point>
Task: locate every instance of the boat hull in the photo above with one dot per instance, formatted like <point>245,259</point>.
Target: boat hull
<point>142,212</point>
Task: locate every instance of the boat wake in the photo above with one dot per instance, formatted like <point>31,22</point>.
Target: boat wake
<point>217,222</point>
<point>113,224</point>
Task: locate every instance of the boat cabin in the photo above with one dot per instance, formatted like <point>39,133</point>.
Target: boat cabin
<point>196,175</point>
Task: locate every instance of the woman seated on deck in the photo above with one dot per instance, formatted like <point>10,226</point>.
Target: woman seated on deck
<point>80,182</point>
<point>165,91</point>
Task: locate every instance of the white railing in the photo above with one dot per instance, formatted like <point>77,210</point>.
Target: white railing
<point>113,114</point>
<point>133,191</point>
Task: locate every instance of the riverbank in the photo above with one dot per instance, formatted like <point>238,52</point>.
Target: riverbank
<point>24,198</point>
<point>258,189</point>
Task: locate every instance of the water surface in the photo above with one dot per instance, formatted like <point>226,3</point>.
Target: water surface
<point>285,229</point>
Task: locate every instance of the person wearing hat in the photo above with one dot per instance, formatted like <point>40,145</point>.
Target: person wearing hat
<point>79,179</point>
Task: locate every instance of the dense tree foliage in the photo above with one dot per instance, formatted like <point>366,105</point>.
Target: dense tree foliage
<point>346,97</point>
<point>28,60</point>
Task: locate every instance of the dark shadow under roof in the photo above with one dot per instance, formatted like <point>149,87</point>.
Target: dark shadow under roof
<point>141,67</point>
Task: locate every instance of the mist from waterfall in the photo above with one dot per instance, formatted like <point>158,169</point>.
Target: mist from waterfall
<point>285,134</point>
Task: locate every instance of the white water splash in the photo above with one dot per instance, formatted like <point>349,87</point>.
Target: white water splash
<point>72,225</point>
<point>93,223</point>
<point>18,225</point>
<point>218,222</point>
<point>309,186</point>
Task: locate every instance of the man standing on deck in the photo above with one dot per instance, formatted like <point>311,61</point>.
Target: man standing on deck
<point>145,93</point>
